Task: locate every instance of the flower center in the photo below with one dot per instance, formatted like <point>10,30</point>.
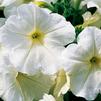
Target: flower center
<point>19,76</point>
<point>95,61</point>
<point>36,37</point>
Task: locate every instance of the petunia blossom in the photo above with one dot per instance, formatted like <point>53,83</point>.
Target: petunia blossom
<point>83,63</point>
<point>36,38</point>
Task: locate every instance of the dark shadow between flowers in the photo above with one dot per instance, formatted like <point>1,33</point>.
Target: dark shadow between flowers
<point>1,99</point>
<point>69,96</point>
<point>1,14</point>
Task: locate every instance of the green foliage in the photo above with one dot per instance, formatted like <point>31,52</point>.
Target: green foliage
<point>78,29</point>
<point>65,8</point>
<point>98,98</point>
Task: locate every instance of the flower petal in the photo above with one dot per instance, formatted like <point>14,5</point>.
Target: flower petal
<point>92,86</point>
<point>6,2</point>
<point>61,34</point>
<point>2,21</point>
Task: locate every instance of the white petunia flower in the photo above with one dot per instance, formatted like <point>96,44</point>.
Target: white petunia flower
<point>47,97</point>
<point>83,63</point>
<point>17,86</point>
<point>35,37</point>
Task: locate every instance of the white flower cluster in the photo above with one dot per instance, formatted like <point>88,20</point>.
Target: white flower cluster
<point>35,65</point>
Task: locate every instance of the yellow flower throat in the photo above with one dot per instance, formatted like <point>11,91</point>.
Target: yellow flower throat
<point>36,37</point>
<point>95,61</point>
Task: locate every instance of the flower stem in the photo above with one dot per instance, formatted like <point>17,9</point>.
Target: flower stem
<point>76,3</point>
